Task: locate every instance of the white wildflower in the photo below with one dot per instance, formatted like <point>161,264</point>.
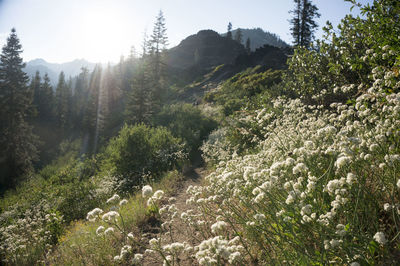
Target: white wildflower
<point>99,230</point>
<point>109,230</point>
<point>137,258</point>
<point>387,207</point>
<point>218,226</point>
<point>342,161</point>
<point>158,194</point>
<point>109,216</point>
<point>147,191</point>
<point>299,168</point>
<point>123,202</point>
<point>380,238</point>
<point>114,198</point>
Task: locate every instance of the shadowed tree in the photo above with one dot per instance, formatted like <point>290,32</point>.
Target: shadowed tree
<point>248,49</point>
<point>46,100</point>
<point>229,32</point>
<point>35,87</point>
<point>239,36</point>
<point>139,106</point>
<point>80,97</point>
<point>303,22</point>
<point>156,58</point>
<point>17,142</point>
<point>63,102</point>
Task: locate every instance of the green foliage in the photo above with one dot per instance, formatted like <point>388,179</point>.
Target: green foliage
<point>303,23</point>
<point>63,103</point>
<point>26,235</point>
<point>244,90</point>
<point>186,122</point>
<point>364,53</point>
<point>139,103</point>
<point>82,245</point>
<point>140,151</point>
<point>17,142</point>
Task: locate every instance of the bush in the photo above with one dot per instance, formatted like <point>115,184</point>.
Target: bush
<point>186,122</point>
<point>140,151</point>
<point>25,236</point>
<point>364,53</point>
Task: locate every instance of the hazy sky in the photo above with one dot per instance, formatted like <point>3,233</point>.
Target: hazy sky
<point>103,30</point>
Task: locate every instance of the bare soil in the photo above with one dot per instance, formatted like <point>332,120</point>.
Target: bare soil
<point>179,232</point>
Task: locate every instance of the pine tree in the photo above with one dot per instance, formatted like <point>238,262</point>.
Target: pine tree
<point>248,47</point>
<point>63,95</point>
<point>80,98</point>
<point>36,89</point>
<point>46,100</point>
<point>92,109</point>
<point>308,24</point>
<point>17,142</point>
<point>303,22</point>
<point>156,57</point>
<point>295,22</point>
<point>239,36</point>
<point>229,33</point>
<point>112,101</point>
<point>139,106</point>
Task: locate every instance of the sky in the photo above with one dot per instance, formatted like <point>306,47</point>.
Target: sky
<point>103,30</point>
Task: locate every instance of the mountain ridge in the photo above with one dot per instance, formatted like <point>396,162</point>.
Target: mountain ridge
<point>70,69</point>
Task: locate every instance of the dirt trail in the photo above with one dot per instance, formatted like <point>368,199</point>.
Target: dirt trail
<point>194,177</point>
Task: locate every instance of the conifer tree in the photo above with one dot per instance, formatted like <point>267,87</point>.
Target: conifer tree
<point>229,32</point>
<point>139,106</point>
<point>80,97</point>
<point>17,142</point>
<point>112,101</point>
<point>46,100</point>
<point>63,95</point>
<point>156,57</point>
<point>248,48</point>
<point>303,22</point>
<point>36,89</point>
<point>91,113</point>
<point>239,36</point>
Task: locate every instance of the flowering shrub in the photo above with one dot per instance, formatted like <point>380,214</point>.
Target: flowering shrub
<point>112,224</point>
<point>217,148</point>
<point>321,183</point>
<point>365,52</point>
<point>27,237</point>
<point>322,188</point>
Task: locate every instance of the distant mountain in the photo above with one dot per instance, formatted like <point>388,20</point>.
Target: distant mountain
<point>259,38</point>
<point>71,69</point>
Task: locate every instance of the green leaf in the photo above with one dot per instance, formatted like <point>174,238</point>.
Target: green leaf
<point>372,247</point>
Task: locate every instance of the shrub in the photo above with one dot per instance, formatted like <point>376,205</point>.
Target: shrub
<point>186,122</point>
<point>26,236</point>
<point>364,53</point>
<point>140,151</point>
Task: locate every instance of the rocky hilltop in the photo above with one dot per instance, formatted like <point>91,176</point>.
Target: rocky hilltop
<point>205,49</point>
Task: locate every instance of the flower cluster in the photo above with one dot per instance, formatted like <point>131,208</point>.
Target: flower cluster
<point>26,238</point>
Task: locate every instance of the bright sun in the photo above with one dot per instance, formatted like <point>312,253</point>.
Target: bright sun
<point>104,37</point>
